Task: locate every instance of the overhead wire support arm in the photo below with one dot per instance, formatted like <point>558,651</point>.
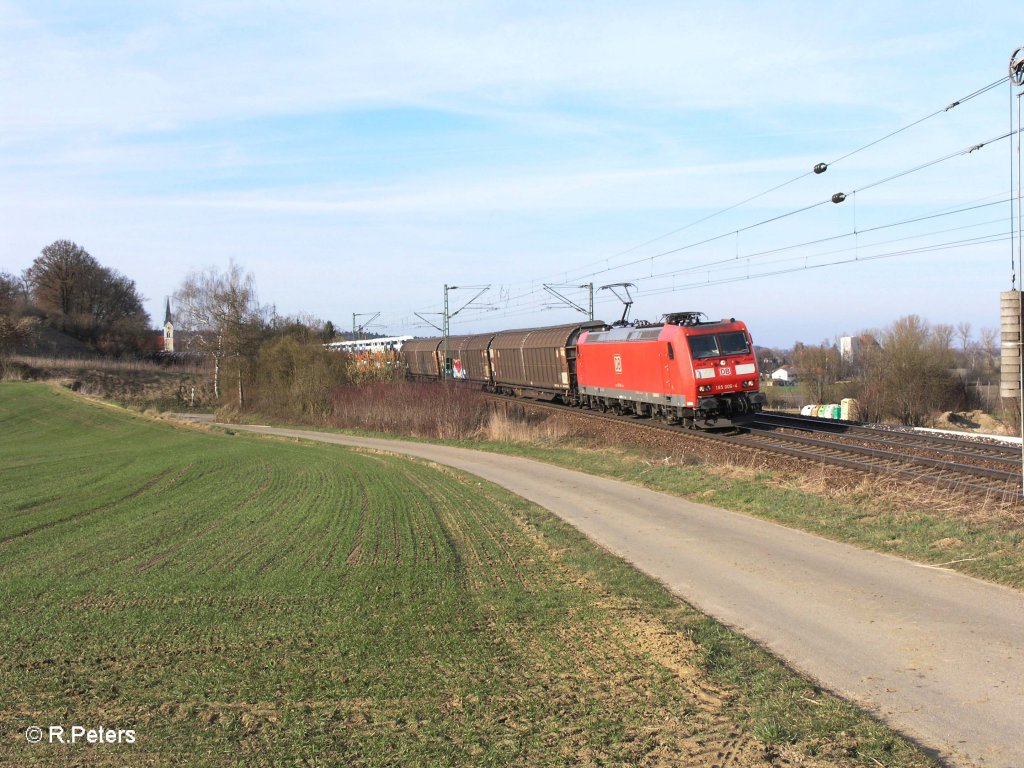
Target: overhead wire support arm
<point>589,312</point>
<point>357,331</point>
<point>431,323</point>
<point>479,293</point>
<point>447,316</point>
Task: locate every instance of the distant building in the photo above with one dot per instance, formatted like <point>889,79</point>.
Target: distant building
<point>849,346</point>
<point>380,344</point>
<point>784,376</point>
<point>380,351</point>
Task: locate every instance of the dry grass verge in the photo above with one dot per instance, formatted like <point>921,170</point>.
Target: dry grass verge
<point>140,384</point>
<point>983,537</point>
<point>509,426</point>
<point>445,411</point>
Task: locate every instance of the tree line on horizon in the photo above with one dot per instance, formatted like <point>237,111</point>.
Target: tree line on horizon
<point>905,372</point>
<point>217,319</point>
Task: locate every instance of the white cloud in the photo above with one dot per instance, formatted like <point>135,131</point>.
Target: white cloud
<point>228,61</point>
<point>134,129</point>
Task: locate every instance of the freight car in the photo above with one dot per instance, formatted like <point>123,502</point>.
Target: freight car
<point>683,370</point>
<point>538,363</point>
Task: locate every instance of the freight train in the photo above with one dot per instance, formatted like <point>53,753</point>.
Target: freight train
<point>683,370</point>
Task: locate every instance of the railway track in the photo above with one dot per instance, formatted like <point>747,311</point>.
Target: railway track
<point>967,450</point>
<point>961,464</point>
<point>938,454</point>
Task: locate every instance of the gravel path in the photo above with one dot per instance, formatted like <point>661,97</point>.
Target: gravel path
<point>937,655</point>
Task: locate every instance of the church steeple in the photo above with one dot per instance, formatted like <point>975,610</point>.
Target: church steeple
<point>168,329</point>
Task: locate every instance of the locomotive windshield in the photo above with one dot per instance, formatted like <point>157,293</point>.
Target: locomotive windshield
<point>719,345</point>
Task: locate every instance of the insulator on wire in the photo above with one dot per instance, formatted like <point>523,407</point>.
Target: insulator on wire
<point>821,167</point>
<point>1017,67</point>
<point>838,197</point>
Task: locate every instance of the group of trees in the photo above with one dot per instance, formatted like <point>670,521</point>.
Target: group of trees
<point>16,326</point>
<point>278,363</point>
<point>223,319</point>
<point>217,317</point>
<point>67,288</point>
<point>907,372</point>
<point>910,375</point>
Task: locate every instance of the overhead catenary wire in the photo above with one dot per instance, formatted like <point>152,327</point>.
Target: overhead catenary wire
<point>930,163</point>
<point>530,305</point>
<point>950,106</point>
<point>839,197</point>
<point>772,219</point>
<point>831,238</point>
<point>528,300</point>
<point>861,257</point>
<point>947,108</point>
<point>986,239</point>
<point>861,254</point>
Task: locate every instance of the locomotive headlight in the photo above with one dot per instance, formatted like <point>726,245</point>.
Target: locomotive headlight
<point>748,383</point>
<point>704,388</point>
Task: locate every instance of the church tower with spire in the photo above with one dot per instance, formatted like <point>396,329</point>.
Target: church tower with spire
<point>168,329</point>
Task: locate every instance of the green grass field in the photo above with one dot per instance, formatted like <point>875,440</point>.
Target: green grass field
<point>235,600</point>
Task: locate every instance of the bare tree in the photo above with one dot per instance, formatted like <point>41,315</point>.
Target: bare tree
<point>963,335</point>
<point>15,332</point>
<point>84,298</point>
<point>909,376</point>
<point>58,276</point>
<point>221,313</point>
<point>16,327</point>
<point>12,292</point>
<point>818,369</point>
<point>988,342</point>
<point>942,335</point>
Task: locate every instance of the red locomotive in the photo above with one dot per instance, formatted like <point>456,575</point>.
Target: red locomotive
<point>683,370</point>
<point>701,374</point>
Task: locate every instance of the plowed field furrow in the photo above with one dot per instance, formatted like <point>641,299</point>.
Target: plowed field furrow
<point>490,549</point>
<point>424,529</point>
<point>127,498</point>
<point>507,550</point>
<point>334,529</point>
<point>449,515</point>
<point>171,550</point>
<point>284,548</point>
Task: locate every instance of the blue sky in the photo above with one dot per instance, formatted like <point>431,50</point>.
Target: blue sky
<point>355,157</point>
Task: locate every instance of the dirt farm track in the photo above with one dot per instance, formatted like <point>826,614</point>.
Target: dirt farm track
<point>938,655</point>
